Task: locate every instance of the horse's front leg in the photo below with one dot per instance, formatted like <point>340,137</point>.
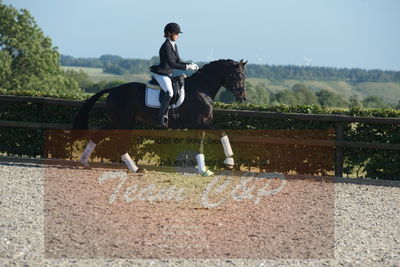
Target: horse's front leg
<point>201,165</point>
<point>229,161</point>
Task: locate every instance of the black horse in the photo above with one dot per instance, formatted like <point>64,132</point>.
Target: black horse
<point>125,105</point>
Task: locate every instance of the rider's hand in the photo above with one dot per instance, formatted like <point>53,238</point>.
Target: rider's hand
<point>195,66</point>
<point>192,66</point>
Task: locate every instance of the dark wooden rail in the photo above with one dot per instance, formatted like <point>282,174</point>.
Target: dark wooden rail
<point>337,121</point>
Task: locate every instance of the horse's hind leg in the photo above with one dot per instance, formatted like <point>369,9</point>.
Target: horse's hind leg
<point>124,134</point>
<point>123,147</point>
<point>97,137</point>
<point>87,152</point>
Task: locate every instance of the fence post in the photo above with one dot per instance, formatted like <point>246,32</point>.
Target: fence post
<point>45,133</point>
<point>339,151</point>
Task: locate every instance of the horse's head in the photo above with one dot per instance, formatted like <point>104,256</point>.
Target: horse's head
<point>227,73</point>
<point>235,80</point>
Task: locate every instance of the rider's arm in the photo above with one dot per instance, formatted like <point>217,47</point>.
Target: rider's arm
<point>190,66</point>
<point>178,64</point>
<point>179,58</point>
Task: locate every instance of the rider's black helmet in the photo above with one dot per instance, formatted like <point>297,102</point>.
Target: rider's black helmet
<point>172,27</point>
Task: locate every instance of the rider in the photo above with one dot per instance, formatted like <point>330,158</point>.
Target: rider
<point>169,59</point>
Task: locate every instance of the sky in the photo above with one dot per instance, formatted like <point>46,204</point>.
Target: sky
<point>333,33</point>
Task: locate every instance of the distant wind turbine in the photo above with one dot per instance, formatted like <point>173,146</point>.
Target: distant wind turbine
<point>259,60</point>
<point>307,61</point>
<point>211,56</point>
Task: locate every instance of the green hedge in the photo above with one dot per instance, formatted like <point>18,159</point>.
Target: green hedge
<point>370,163</point>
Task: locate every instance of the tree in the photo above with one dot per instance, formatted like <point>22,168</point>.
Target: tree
<point>287,97</point>
<point>304,95</point>
<point>373,102</point>
<point>397,106</point>
<point>114,69</point>
<point>331,99</point>
<point>96,87</point>
<point>258,95</point>
<point>355,101</point>
<point>81,77</point>
<point>225,96</point>
<point>27,58</point>
<point>110,59</point>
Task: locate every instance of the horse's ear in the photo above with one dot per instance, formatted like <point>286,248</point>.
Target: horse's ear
<point>242,62</point>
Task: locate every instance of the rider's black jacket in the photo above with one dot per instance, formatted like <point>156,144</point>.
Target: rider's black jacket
<point>169,59</point>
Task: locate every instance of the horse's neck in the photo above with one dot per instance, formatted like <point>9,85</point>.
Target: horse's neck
<point>210,89</point>
<point>206,83</point>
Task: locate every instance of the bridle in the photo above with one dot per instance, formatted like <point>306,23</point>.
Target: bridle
<point>233,78</point>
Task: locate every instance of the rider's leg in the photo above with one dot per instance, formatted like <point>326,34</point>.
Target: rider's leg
<point>166,85</point>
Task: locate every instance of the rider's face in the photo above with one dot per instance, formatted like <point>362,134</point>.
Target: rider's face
<point>174,36</point>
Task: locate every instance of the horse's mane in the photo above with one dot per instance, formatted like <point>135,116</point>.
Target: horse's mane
<point>211,65</point>
<point>216,61</point>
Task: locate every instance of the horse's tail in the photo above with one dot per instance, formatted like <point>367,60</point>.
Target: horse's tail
<point>81,121</point>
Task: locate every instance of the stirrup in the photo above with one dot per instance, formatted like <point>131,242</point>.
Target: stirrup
<point>163,122</point>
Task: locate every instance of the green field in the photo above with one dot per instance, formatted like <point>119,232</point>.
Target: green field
<point>389,91</point>
<point>97,75</point>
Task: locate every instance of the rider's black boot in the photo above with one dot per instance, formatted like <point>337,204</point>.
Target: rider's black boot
<point>163,113</point>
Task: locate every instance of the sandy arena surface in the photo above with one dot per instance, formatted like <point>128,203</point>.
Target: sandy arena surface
<point>64,216</point>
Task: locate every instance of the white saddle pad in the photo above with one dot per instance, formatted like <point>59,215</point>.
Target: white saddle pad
<point>152,97</point>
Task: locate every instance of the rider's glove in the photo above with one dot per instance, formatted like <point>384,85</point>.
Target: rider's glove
<point>192,66</point>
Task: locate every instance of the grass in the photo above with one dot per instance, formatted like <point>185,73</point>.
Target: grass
<point>97,75</point>
<point>389,91</point>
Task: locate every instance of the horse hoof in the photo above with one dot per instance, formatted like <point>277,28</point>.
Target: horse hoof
<point>141,170</point>
<point>207,173</point>
<point>86,166</point>
<point>228,167</point>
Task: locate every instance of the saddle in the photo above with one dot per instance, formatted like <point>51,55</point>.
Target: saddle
<point>153,90</point>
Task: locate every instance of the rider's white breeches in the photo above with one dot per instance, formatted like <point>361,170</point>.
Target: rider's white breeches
<point>165,83</point>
